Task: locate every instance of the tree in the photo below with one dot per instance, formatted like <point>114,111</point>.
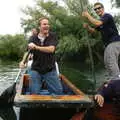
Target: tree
<point>12,47</point>
<point>116,3</point>
<point>65,20</point>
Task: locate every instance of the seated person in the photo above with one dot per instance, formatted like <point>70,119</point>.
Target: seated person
<point>108,92</point>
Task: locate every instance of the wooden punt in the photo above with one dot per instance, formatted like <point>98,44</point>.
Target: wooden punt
<point>44,106</point>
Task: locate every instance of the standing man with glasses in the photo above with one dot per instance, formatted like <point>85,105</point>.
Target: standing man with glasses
<point>110,37</point>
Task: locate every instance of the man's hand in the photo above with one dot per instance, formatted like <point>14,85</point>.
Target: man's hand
<point>90,29</point>
<point>32,46</point>
<point>85,25</point>
<point>85,14</point>
<point>22,65</point>
<point>100,99</point>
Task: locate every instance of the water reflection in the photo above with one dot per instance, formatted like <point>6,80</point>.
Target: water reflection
<point>7,114</point>
<point>7,75</point>
<point>8,72</point>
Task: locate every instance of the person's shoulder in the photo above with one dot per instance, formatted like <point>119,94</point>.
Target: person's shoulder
<point>52,33</point>
<point>33,38</point>
<point>108,15</point>
<point>115,81</point>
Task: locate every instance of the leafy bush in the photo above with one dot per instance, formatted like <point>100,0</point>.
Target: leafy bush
<point>12,47</point>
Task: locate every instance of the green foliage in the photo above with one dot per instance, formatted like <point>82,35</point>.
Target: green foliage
<point>66,21</point>
<point>76,7</point>
<point>12,47</point>
<point>77,77</point>
<point>116,3</point>
<point>117,20</point>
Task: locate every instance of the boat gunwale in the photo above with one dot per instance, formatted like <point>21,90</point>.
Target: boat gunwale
<point>78,98</point>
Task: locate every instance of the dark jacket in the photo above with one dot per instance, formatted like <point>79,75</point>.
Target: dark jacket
<point>44,62</point>
<point>110,90</point>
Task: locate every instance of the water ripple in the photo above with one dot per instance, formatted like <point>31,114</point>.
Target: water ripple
<point>7,75</point>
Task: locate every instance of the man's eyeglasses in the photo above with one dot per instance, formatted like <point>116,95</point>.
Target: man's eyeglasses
<point>95,9</point>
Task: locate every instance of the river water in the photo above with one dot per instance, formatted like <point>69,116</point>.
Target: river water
<point>8,73</point>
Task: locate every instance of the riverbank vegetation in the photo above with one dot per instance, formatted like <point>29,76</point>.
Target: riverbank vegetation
<point>12,47</point>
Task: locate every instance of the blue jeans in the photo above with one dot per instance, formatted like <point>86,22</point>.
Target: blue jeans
<point>51,79</point>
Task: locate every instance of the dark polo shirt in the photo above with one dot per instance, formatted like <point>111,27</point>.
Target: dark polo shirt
<point>44,62</point>
<point>108,30</point>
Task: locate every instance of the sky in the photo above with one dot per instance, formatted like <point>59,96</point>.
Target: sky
<point>10,14</point>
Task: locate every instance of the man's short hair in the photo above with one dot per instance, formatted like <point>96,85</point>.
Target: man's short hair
<point>42,18</point>
<point>98,3</point>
